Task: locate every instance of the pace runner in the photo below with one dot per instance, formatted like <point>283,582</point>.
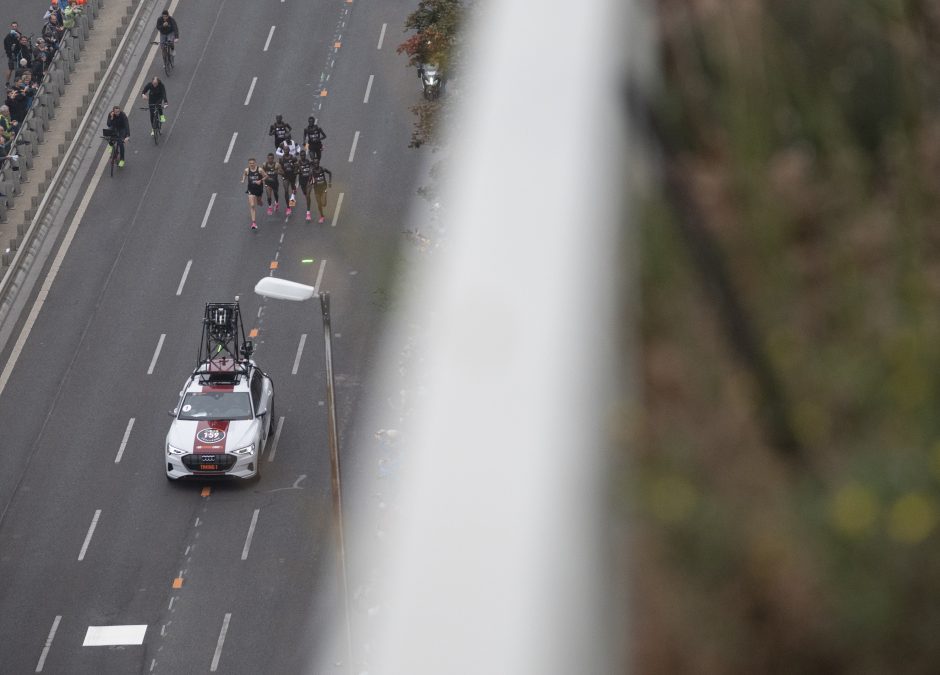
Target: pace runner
<point>304,179</point>
<point>313,138</point>
<point>287,170</point>
<point>320,184</point>
<point>280,130</point>
<point>255,175</point>
<point>270,182</point>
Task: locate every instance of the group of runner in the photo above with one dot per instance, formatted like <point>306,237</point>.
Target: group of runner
<point>291,166</point>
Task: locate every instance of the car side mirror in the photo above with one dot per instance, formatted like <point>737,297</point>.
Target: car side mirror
<point>262,410</point>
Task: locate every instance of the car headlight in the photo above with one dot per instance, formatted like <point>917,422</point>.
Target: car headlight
<point>247,450</point>
<point>170,450</point>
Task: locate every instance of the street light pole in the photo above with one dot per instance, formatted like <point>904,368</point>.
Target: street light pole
<point>334,463</point>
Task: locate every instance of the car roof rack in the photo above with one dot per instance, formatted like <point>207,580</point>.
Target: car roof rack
<point>224,353</point>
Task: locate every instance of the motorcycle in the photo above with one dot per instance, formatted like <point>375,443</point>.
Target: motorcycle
<point>431,79</point>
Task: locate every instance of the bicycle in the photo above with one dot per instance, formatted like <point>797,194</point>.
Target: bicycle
<point>156,112</point>
<point>167,50</point>
<point>112,138</point>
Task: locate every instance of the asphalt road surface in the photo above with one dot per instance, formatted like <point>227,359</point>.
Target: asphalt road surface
<point>230,578</point>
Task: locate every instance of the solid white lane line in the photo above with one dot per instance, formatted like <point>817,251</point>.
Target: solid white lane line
<point>382,36</point>
<point>365,99</point>
<point>218,647</point>
<point>156,353</point>
<point>110,636</point>
<point>49,639</point>
<point>127,434</point>
<point>339,205</point>
<point>231,145</point>
<point>179,290</point>
<point>251,89</point>
<point>352,150</point>
<point>267,43</point>
<point>205,218</point>
<point>91,531</point>
<point>251,533</point>
<point>300,351</point>
<point>316,286</point>
<point>277,437</point>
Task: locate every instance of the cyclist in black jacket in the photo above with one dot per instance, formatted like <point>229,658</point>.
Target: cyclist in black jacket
<point>155,93</point>
<point>169,31</point>
<point>121,126</point>
<point>314,137</point>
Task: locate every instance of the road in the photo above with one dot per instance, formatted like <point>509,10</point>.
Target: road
<point>223,577</point>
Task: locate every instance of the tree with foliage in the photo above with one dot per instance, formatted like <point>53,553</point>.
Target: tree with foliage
<point>437,25</point>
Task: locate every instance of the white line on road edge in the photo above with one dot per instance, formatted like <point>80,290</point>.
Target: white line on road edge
<point>113,636</point>
<point>267,43</point>
<point>91,531</point>
<point>277,437</point>
<point>205,218</point>
<point>45,650</point>
<point>300,350</point>
<point>382,36</point>
<point>251,533</point>
<point>218,647</point>
<point>352,150</point>
<point>127,434</point>
<point>251,89</point>
<point>230,146</point>
<point>179,290</point>
<point>316,286</point>
<point>156,353</point>
<point>339,205</point>
<point>365,99</point>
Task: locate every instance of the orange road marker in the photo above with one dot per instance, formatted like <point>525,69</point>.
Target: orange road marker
<point>178,582</point>
<point>274,264</point>
<point>336,45</point>
<point>206,491</point>
<point>323,92</point>
<point>253,333</point>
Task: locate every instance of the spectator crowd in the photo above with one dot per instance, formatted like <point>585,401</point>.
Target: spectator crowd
<point>27,62</point>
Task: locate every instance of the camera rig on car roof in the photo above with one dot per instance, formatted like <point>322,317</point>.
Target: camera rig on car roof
<point>224,354</point>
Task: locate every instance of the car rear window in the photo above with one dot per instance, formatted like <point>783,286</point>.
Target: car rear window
<point>224,405</point>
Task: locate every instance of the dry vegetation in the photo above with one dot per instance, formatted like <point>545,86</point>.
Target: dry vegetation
<point>806,137</point>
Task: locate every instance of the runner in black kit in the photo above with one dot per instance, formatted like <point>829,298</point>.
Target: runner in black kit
<point>255,176</point>
<point>305,179</point>
<point>270,182</point>
<point>287,170</point>
<point>280,130</point>
<point>313,138</point>
<point>320,184</point>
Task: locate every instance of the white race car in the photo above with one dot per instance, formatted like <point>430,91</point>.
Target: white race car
<point>226,408</point>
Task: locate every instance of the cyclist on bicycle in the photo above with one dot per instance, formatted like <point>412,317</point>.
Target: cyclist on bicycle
<point>280,130</point>
<point>270,182</point>
<point>120,128</point>
<point>155,93</point>
<point>169,31</point>
<point>314,137</point>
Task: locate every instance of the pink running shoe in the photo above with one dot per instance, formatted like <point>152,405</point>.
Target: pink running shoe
<point>254,226</point>
<point>270,210</point>
<point>321,219</point>
<point>288,211</point>
<point>308,217</point>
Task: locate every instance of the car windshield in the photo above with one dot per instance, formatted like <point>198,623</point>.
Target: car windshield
<point>217,405</point>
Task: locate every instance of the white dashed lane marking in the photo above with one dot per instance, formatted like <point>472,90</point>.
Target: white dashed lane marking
<point>179,290</point>
<point>365,99</point>
<point>382,36</point>
<point>316,286</point>
<point>251,90</point>
<point>231,145</point>
<point>277,437</point>
<point>352,150</point>
<point>109,636</point>
<point>251,533</point>
<point>339,205</point>
<point>218,647</point>
<point>156,354</point>
<point>48,645</point>
<point>127,435</point>
<point>205,218</point>
<point>267,43</point>
<point>91,531</point>
<point>300,351</point>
